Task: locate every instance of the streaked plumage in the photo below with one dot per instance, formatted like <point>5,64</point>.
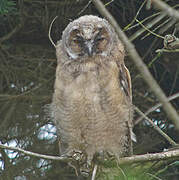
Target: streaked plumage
<point>92,102</point>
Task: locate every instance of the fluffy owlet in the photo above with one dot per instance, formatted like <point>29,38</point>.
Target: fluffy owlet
<point>92,101</point>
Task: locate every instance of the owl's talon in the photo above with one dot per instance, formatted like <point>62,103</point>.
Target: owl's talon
<point>103,156</point>
<point>74,154</point>
<point>85,173</point>
<point>85,170</point>
<point>77,156</point>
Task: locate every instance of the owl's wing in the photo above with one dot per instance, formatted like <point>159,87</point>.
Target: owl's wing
<point>125,80</point>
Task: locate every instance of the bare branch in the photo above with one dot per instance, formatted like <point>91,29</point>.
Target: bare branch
<point>155,107</point>
<point>167,50</point>
<point>170,111</point>
<point>58,158</point>
<point>94,172</point>
<point>166,8</point>
<point>171,141</point>
<point>89,2</point>
<point>125,160</point>
<point>148,26</point>
<point>10,34</point>
<point>149,157</point>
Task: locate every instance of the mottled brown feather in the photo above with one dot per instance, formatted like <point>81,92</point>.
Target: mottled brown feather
<point>92,111</point>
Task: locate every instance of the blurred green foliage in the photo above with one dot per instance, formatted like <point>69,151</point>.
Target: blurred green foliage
<point>7,6</point>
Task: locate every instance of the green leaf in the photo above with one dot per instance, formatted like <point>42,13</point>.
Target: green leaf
<point>7,6</point>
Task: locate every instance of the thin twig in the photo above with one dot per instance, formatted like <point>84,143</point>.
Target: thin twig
<point>89,2</point>
<point>142,21</point>
<point>149,157</point>
<point>108,3</point>
<point>123,173</point>
<point>156,107</point>
<point>58,158</point>
<point>171,141</point>
<point>169,109</point>
<point>10,34</point>
<point>49,32</point>
<point>94,172</point>
<point>148,26</point>
<point>166,8</point>
<point>154,176</point>
<point>132,22</point>
<point>151,32</point>
<point>167,50</point>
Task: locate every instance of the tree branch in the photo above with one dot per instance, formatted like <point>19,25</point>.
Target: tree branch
<point>58,158</point>
<point>170,140</point>
<point>149,157</point>
<point>166,8</point>
<point>148,26</point>
<point>167,50</point>
<point>170,111</point>
<point>155,107</point>
<point>125,160</point>
<point>10,34</point>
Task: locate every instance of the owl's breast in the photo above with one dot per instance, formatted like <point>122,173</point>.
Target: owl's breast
<point>92,109</point>
<point>90,83</point>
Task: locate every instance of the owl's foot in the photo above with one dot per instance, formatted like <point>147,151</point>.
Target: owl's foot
<point>77,155</point>
<point>102,156</point>
<point>79,162</point>
<point>74,154</point>
<point>77,158</point>
<point>86,168</point>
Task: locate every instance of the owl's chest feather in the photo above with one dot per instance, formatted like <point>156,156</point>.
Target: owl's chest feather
<point>90,85</point>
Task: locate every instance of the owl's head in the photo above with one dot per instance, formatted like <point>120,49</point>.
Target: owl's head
<point>88,36</point>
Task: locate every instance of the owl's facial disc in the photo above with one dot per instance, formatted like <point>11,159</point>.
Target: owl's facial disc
<point>88,41</point>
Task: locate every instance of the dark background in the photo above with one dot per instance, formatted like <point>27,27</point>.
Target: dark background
<point>27,73</point>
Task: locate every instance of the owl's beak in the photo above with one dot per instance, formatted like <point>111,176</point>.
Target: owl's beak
<point>89,48</point>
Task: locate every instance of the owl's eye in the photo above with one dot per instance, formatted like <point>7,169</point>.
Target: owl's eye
<point>78,39</point>
<point>99,39</point>
<point>75,41</point>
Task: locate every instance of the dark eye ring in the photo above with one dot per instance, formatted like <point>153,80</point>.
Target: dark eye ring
<point>78,39</point>
<point>100,39</point>
<point>75,40</point>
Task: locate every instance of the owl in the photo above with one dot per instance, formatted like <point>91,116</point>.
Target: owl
<point>92,100</point>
